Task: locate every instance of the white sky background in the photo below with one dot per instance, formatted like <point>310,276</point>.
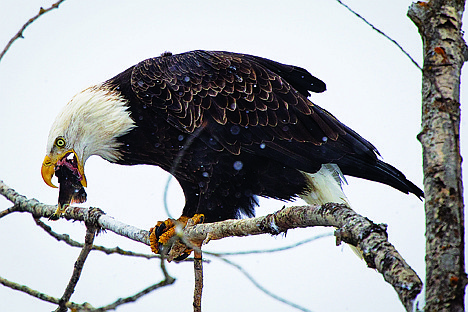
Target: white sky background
<point>371,86</point>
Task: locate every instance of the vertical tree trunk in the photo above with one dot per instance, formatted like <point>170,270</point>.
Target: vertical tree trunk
<point>439,23</point>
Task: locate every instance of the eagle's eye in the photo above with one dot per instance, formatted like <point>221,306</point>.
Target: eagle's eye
<point>60,142</point>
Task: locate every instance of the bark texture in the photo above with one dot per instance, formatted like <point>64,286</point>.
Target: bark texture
<point>439,23</point>
<point>352,228</point>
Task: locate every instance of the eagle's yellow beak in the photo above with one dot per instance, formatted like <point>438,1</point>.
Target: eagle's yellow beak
<point>48,168</point>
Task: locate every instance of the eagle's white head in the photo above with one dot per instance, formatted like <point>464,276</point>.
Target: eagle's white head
<point>88,125</point>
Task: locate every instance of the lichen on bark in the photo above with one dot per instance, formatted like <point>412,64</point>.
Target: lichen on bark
<point>439,23</point>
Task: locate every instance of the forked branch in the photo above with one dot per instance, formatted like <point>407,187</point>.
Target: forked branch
<point>352,228</point>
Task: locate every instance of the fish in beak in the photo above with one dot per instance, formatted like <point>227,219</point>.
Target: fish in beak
<point>72,181</point>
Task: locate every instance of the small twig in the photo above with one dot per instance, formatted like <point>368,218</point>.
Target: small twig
<point>198,271</point>
<point>42,296</point>
<point>168,280</point>
<point>86,306</point>
<point>8,211</point>
<point>91,230</point>
<point>165,194</point>
<point>188,142</point>
<point>164,269</point>
<point>19,34</point>
<point>249,252</point>
<point>115,250</point>
<point>381,32</point>
<point>120,301</point>
<point>60,237</point>
<point>260,287</point>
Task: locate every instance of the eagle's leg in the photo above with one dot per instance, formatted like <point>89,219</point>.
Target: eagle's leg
<point>161,234</point>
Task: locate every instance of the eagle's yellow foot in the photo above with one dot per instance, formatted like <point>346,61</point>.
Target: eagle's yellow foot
<point>60,210</point>
<point>161,234</point>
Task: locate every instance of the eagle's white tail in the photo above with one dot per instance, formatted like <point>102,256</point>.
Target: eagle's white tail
<point>325,187</point>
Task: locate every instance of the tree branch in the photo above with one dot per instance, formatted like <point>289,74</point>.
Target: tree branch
<point>120,301</point>
<point>115,250</point>
<point>168,280</point>
<point>86,306</point>
<point>42,296</point>
<point>439,23</point>
<point>381,32</point>
<point>91,229</point>
<point>249,252</point>
<point>353,229</point>
<point>260,287</point>
<point>19,34</point>
<point>198,272</point>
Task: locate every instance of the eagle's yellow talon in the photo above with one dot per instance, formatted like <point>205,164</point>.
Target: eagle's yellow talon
<point>58,213</point>
<point>161,234</point>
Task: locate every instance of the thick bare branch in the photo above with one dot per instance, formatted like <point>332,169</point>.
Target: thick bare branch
<point>22,204</point>
<point>353,229</point>
<point>439,23</point>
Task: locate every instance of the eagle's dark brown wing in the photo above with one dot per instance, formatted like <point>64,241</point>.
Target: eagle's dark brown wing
<point>200,87</point>
<point>259,106</point>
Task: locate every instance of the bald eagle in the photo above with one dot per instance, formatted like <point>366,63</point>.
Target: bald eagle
<point>229,127</point>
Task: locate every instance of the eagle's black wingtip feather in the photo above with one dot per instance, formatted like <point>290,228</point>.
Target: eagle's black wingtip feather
<point>399,180</point>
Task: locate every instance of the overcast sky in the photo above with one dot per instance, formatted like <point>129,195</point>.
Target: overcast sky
<point>371,86</point>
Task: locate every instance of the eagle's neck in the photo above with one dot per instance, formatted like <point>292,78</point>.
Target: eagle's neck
<point>93,121</point>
